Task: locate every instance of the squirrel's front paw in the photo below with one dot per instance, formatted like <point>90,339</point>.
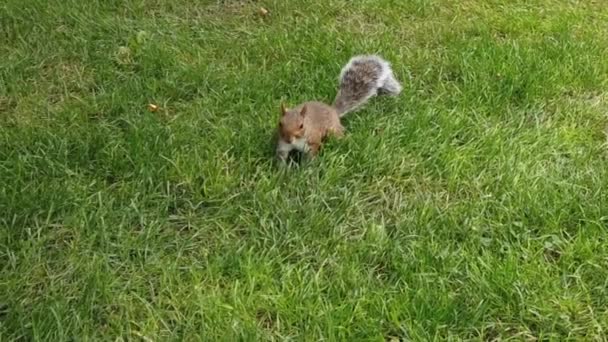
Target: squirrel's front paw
<point>313,150</point>
<point>282,156</point>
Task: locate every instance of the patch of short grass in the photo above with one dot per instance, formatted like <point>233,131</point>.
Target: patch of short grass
<point>470,207</point>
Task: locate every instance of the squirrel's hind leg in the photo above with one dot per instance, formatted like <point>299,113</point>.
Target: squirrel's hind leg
<point>337,131</point>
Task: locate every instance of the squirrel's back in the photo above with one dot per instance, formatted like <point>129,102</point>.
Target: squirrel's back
<point>318,114</point>
<point>361,78</point>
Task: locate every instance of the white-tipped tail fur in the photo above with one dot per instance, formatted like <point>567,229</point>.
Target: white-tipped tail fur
<point>363,77</point>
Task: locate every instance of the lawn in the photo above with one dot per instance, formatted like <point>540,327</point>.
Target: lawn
<point>474,206</point>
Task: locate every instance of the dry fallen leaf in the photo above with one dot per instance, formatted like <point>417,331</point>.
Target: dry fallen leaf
<point>152,107</point>
<point>263,11</point>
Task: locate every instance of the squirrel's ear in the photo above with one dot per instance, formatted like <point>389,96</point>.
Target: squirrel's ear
<point>283,109</point>
<point>303,111</point>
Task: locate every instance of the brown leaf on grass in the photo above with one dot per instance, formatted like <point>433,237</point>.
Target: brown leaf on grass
<point>152,107</point>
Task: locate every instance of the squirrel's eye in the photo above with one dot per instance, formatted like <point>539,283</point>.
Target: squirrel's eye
<point>301,126</point>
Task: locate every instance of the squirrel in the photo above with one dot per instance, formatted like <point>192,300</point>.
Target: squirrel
<point>305,127</point>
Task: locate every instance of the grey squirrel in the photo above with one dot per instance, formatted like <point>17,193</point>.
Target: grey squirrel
<point>305,126</point>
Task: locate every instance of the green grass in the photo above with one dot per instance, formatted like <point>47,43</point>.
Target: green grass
<point>473,206</point>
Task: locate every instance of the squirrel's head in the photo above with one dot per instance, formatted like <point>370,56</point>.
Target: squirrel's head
<point>291,124</point>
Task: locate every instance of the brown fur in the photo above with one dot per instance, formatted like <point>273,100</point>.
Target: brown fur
<point>312,121</point>
<point>305,126</point>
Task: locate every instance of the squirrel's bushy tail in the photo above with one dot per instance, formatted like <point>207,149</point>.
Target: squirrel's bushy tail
<point>362,78</point>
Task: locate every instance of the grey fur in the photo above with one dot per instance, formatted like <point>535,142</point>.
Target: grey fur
<point>363,77</point>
